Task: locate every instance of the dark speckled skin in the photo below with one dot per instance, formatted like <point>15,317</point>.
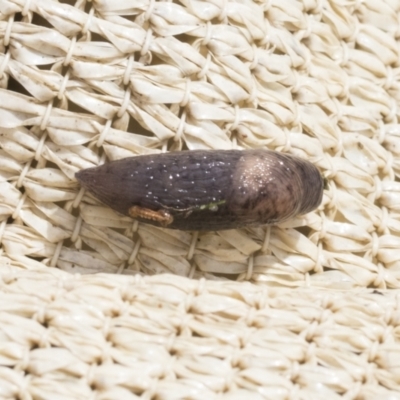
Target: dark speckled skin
<point>209,190</point>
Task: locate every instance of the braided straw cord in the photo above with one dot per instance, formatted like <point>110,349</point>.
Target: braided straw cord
<point>308,309</point>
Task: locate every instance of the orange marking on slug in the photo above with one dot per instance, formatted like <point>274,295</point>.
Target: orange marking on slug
<point>161,216</point>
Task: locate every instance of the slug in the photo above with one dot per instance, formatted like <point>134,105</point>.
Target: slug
<point>207,189</point>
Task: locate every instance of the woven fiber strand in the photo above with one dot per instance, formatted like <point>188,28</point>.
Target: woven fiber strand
<point>167,337</point>
<point>308,309</point>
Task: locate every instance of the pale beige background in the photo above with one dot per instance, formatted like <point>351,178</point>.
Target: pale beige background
<point>86,82</point>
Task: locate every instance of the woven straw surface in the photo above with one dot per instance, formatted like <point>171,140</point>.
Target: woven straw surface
<point>168,337</point>
<point>308,309</point>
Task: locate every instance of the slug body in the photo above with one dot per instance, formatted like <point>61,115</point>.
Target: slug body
<point>207,190</point>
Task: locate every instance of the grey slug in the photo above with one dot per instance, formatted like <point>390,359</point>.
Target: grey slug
<point>207,190</point>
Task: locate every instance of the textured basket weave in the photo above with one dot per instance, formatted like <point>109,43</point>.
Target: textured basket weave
<point>309,309</point>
